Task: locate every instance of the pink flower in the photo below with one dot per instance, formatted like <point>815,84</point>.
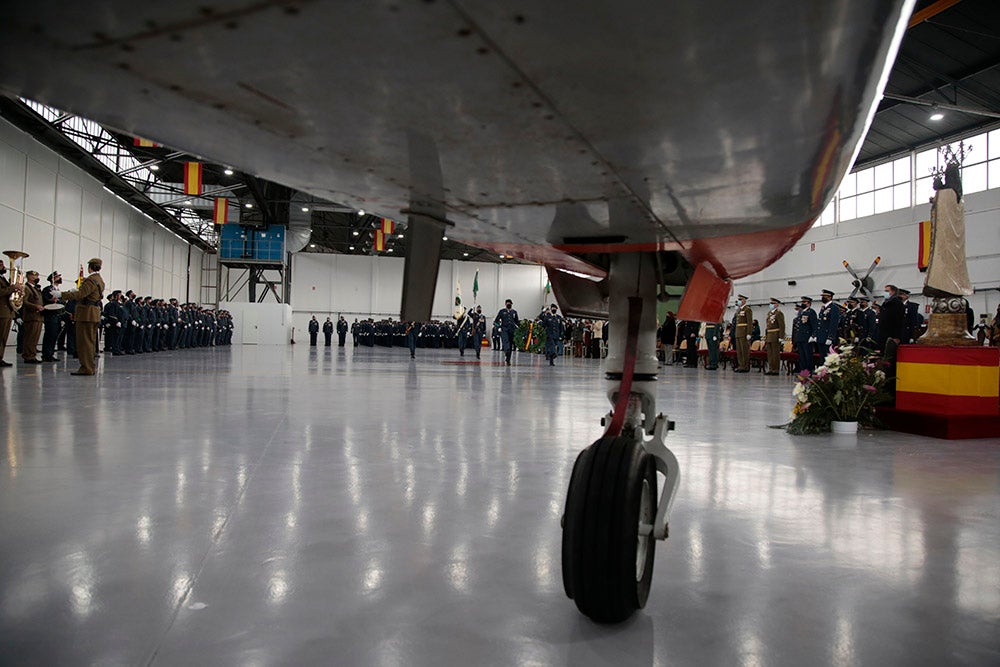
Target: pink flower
<point>868,388</point>
<point>804,373</point>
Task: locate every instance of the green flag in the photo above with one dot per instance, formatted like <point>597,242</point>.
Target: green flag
<point>475,287</point>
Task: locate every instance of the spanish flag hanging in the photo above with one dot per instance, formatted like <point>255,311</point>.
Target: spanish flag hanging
<point>221,215</point>
<point>192,178</point>
<point>379,240</point>
<point>388,226</point>
<point>924,247</point>
<point>144,143</point>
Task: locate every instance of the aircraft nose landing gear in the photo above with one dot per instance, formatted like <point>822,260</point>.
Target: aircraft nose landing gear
<point>612,515</point>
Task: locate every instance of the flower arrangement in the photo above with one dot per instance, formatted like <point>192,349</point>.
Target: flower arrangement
<point>847,387</point>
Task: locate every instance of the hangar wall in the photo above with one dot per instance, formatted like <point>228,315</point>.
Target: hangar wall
<point>365,286</point>
<point>62,216</point>
<point>894,237</point>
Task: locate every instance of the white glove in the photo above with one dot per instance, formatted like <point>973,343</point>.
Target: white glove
<point>56,294</point>
<point>812,339</point>
<point>829,342</point>
<point>749,337</point>
<point>134,323</point>
<point>118,324</point>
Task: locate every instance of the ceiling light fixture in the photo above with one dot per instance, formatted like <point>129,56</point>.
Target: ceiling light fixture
<point>355,232</point>
<point>465,254</point>
<point>154,167</point>
<point>248,205</point>
<point>361,212</point>
<point>444,238</point>
<point>351,248</point>
<point>305,209</point>
<point>400,236</point>
<point>389,250</point>
<point>937,115</point>
<point>228,172</point>
<point>312,245</point>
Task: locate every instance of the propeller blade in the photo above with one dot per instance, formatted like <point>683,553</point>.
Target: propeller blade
<point>852,271</point>
<point>872,267</point>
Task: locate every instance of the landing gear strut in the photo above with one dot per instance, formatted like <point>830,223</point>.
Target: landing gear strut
<point>612,515</point>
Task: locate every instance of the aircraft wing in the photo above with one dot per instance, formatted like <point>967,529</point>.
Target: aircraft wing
<point>553,129</point>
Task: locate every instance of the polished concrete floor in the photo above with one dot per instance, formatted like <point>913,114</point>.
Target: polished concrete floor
<point>298,506</point>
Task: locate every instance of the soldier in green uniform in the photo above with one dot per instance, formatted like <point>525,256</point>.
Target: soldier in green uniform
<point>6,312</point>
<point>744,325</point>
<point>88,315</point>
<point>713,334</point>
<point>774,337</point>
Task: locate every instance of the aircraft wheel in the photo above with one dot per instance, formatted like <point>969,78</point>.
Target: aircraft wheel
<point>607,562</point>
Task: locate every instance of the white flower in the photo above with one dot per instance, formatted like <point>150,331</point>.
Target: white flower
<point>799,391</point>
<point>832,359</point>
<point>880,376</point>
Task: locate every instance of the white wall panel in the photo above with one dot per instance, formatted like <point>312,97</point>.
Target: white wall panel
<point>40,192</point>
<point>67,256</point>
<point>90,223</point>
<point>134,237</point>
<point>313,276</point>
<point>388,286</point>
<point>148,241</point>
<point>12,175</point>
<point>38,238</point>
<point>88,249</point>
<point>119,273</point>
<point>351,286</point>
<point>158,290</point>
<point>11,229</point>
<point>159,246</point>
<point>69,204</point>
<point>122,226</point>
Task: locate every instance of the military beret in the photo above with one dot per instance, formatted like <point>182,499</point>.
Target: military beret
<point>827,292</point>
<point>95,261</point>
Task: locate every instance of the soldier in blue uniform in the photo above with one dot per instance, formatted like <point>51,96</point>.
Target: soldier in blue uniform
<point>412,331</point>
<point>804,334</point>
<point>313,331</point>
<point>328,332</point>
<point>507,322</point>
<point>828,324</point>
<point>554,329</point>
<point>112,324</point>
<point>341,331</point>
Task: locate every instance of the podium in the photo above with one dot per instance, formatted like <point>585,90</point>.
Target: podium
<point>946,392</point>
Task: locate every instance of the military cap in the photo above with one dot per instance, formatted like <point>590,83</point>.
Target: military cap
<point>863,299</point>
<point>807,298</point>
<point>904,292</point>
<point>53,275</point>
<point>777,301</point>
<point>96,261</point>
<point>31,273</point>
<point>852,299</point>
<point>742,296</point>
<point>827,292</point>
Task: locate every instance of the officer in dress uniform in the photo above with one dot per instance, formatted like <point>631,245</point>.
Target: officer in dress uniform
<point>507,321</point>
<point>554,328</point>
<point>112,323</point>
<point>913,320</point>
<point>88,315</point>
<point>478,329</point>
<point>867,324</point>
<point>713,334</point>
<point>774,336</point>
<point>328,332</point>
<point>742,324</point>
<point>829,323</point>
<point>52,319</point>
<point>805,334</point>
<point>411,332</point>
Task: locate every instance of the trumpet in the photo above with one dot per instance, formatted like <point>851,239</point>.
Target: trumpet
<point>16,279</point>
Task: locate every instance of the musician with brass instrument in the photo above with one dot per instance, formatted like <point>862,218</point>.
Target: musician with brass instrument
<point>11,298</point>
<point>87,316</point>
<point>31,315</point>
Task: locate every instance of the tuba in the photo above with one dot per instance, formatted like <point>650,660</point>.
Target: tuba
<point>16,279</point>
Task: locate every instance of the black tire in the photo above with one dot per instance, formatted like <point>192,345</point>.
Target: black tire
<point>607,569</point>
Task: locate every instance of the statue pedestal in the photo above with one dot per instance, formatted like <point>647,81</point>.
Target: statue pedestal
<point>946,392</point>
<point>947,329</point>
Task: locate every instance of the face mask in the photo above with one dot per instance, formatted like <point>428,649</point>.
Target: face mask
<point>887,294</point>
<point>3,271</point>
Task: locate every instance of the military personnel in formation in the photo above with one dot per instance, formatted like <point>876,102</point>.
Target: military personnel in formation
<point>52,318</point>
<point>828,322</point>
<point>742,325</point>
<point>713,336</point>
<point>112,323</point>
<point>313,331</point>
<point>88,315</point>
<point>995,329</point>
<point>31,315</point>
<point>507,321</point>
<point>554,327</point>
<point>463,330</point>
<point>774,336</point>
<point>913,321</point>
<point>804,333</point>
<point>478,329</point>
<point>341,331</point>
<point>328,332</point>
<point>867,324</point>
<point>6,312</point>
